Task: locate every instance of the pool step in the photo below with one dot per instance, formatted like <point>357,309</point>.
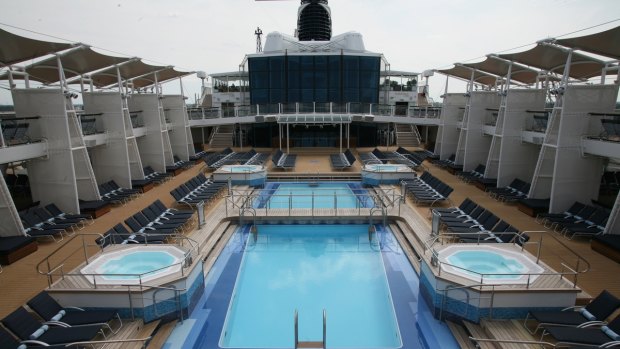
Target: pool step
<point>318,344</point>
<point>161,335</point>
<point>508,330</point>
<point>461,335</point>
<point>505,330</point>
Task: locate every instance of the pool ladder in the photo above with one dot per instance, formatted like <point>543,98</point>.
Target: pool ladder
<point>310,344</point>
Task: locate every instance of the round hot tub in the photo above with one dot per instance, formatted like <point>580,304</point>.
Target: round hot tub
<point>241,168</point>
<point>386,173</point>
<point>253,175</point>
<point>134,265</point>
<point>489,264</point>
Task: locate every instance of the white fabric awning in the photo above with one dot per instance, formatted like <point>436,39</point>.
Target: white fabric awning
<point>464,73</point>
<point>605,43</point>
<point>553,59</point>
<point>75,62</point>
<point>129,70</point>
<point>500,67</point>
<point>163,75</point>
<point>15,48</point>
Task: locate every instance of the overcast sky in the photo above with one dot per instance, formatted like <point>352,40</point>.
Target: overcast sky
<point>214,35</point>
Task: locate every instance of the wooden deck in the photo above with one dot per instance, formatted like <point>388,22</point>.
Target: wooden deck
<point>20,281</point>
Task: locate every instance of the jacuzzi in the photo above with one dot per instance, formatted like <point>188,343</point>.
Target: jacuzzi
<point>253,175</point>
<point>135,265</point>
<point>386,173</point>
<point>489,264</point>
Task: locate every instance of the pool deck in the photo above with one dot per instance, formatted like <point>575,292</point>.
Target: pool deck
<point>20,281</point>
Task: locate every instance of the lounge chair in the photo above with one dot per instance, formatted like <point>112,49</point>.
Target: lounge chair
<point>26,327</point>
<point>605,335</point>
<point>49,309</point>
<point>7,341</point>
<point>596,311</point>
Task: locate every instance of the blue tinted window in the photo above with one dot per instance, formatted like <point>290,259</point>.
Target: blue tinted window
<point>307,95</point>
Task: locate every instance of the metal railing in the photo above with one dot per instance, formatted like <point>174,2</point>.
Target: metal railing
<point>567,270</point>
<point>296,330</point>
<point>268,202</point>
<point>52,268</point>
<point>464,289</point>
<point>370,109</point>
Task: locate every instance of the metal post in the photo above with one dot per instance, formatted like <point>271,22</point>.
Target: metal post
<point>296,329</point>
<point>287,138</point>
<point>341,137</point>
<point>324,329</point>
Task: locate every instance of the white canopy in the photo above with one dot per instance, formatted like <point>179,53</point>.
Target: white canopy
<point>15,48</point>
<point>500,67</point>
<point>553,59</point>
<point>79,61</point>
<point>605,43</point>
<point>463,72</point>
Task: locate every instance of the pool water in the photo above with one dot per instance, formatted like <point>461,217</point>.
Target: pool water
<point>308,269</point>
<point>135,263</point>
<point>487,262</point>
<point>317,195</point>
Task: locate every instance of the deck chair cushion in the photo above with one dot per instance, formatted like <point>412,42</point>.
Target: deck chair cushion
<point>39,332</point>
<point>593,336</point>
<point>613,335</point>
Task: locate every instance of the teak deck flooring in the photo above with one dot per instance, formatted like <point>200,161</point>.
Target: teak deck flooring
<point>20,281</point>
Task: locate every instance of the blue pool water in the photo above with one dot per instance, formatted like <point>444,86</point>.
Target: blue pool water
<point>317,195</point>
<point>331,267</point>
<point>487,262</point>
<point>136,263</point>
<point>203,328</point>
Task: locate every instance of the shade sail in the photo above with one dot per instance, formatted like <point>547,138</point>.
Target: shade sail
<point>462,72</point>
<point>500,67</point>
<point>15,48</point>
<point>162,76</point>
<point>553,59</point>
<point>76,62</point>
<point>128,70</point>
<point>605,43</point>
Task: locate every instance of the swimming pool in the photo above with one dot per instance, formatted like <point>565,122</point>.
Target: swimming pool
<point>489,264</point>
<point>317,195</point>
<point>134,265</point>
<point>308,269</point>
<point>203,328</point>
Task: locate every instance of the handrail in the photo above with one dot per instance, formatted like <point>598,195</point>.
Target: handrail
<point>324,329</point>
<point>67,256</point>
<point>574,271</point>
<point>177,299</point>
<point>53,270</point>
<point>463,287</point>
<point>514,341</point>
<point>296,329</point>
<point>109,341</point>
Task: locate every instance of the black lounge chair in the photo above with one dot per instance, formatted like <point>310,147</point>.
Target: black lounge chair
<point>596,311</point>
<point>595,336</point>
<point>26,327</point>
<point>7,341</point>
<point>57,212</point>
<point>49,309</point>
<point>13,248</point>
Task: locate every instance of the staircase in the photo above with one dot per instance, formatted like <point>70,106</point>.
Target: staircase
<point>407,136</point>
<point>222,137</point>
